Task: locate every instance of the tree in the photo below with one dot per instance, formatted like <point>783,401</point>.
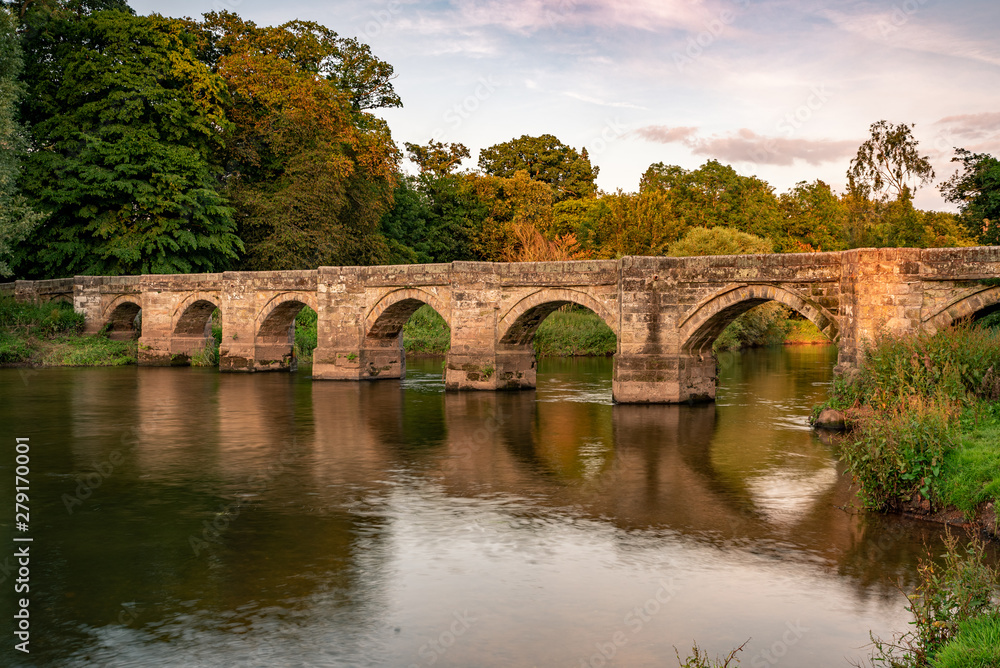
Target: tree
<point>545,158</point>
<point>719,241</point>
<point>888,164</point>
<point>126,123</point>
<point>17,218</point>
<point>636,224</point>
<point>976,191</point>
<point>436,157</point>
<point>714,195</point>
<point>814,218</point>
<point>310,173</point>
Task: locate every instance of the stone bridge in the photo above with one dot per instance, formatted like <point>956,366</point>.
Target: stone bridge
<point>665,312</point>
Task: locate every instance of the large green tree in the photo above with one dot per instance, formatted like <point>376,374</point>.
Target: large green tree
<point>567,171</point>
<point>17,218</point>
<point>126,123</point>
<point>715,195</point>
<point>975,188</point>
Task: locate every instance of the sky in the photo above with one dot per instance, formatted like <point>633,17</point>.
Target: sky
<point>784,90</point>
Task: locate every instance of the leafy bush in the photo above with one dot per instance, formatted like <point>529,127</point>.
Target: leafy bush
<point>38,319</point>
<point>960,363</point>
<point>901,451</point>
<point>305,334</point>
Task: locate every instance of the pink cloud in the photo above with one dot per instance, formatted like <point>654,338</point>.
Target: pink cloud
<point>745,145</point>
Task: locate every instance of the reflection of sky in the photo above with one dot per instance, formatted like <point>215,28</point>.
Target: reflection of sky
<point>782,89</point>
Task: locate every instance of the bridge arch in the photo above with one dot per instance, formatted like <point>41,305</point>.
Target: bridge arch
<point>193,314</point>
<point>981,302</point>
<point>386,318</point>
<point>119,316</point>
<point>276,317</point>
<point>699,329</point>
<point>518,325</point>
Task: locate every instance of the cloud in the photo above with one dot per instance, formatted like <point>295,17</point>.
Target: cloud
<point>745,145</point>
<point>603,103</point>
<point>909,28</point>
<point>526,17</point>
<point>663,134</point>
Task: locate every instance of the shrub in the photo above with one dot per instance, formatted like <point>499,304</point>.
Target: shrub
<point>305,334</point>
<point>950,595</point>
<point>895,453</point>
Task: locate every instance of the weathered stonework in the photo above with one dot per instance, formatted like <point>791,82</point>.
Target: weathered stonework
<point>666,312</point>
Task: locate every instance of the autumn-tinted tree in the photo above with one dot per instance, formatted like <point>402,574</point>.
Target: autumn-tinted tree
<point>437,158</point>
<point>509,203</point>
<point>636,224</point>
<point>975,188</point>
<point>310,173</point>
<point>125,123</point>
<point>17,218</point>
<point>567,171</point>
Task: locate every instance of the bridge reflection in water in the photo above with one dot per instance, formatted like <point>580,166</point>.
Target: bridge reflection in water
<point>275,519</point>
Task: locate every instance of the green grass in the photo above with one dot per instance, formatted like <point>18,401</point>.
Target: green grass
<point>972,470</point>
<point>426,332</point>
<point>578,331</point>
<point>86,351</point>
<point>977,645</point>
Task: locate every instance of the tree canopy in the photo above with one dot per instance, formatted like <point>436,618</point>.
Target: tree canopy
<point>126,124</point>
<point>975,188</point>
<point>567,171</point>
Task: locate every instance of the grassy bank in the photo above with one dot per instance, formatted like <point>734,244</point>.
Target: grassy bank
<point>50,335</point>
<point>926,421</point>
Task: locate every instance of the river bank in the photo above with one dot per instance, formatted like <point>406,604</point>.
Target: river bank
<point>923,420</point>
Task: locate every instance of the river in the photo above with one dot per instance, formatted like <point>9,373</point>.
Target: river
<point>182,517</point>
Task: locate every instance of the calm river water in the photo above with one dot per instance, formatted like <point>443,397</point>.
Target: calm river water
<point>182,517</point>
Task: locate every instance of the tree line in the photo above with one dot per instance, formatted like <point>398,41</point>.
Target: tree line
<point>148,144</point>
